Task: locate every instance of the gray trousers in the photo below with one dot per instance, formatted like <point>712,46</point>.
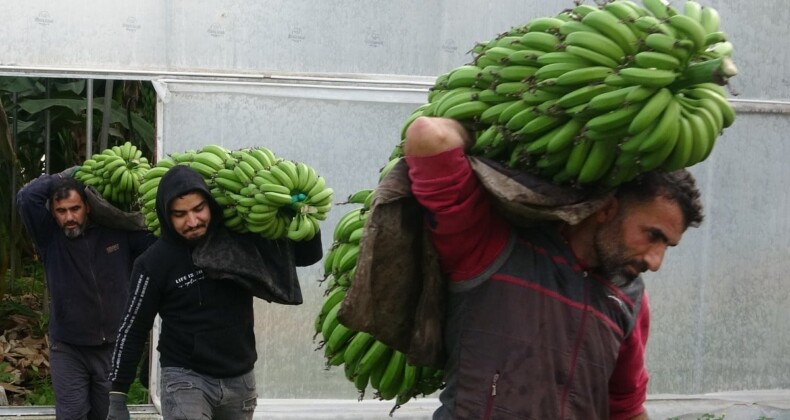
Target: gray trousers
<point>188,395</point>
<point>79,380</point>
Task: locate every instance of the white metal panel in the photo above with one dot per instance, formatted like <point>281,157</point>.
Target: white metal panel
<point>719,302</point>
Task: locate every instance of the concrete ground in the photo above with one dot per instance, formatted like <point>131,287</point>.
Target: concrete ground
<point>742,405</point>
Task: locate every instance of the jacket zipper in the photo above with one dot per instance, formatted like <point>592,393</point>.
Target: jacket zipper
<point>491,396</point>
<point>96,288</point>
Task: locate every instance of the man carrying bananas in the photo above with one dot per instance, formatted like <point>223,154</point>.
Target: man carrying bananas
<point>549,321</point>
<point>87,266</point>
<point>200,278</point>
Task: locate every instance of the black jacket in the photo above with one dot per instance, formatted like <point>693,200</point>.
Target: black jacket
<point>207,317</point>
<point>88,276</point>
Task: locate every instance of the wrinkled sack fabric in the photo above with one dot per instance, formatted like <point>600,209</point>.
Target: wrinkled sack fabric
<point>239,258</point>
<point>105,214</point>
<point>398,293</point>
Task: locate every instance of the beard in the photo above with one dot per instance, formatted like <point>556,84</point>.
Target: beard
<point>613,260</point>
<point>73,230</point>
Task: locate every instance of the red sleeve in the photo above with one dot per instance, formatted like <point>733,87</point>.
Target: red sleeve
<point>466,230</point>
<point>628,384</point>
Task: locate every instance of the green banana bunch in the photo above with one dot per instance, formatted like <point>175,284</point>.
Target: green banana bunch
<point>539,96</point>
<point>116,173</point>
<point>366,361</point>
<point>258,192</point>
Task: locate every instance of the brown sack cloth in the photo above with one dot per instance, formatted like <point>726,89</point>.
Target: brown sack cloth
<point>398,293</point>
<point>105,214</point>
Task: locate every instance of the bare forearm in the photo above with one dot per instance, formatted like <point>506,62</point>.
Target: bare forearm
<point>429,136</point>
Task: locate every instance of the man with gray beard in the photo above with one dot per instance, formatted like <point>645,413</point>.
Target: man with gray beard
<point>87,268</point>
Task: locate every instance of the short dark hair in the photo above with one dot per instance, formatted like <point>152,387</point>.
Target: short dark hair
<point>62,188</point>
<point>678,186</point>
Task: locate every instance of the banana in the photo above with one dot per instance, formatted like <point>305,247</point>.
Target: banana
<point>339,338</point>
<point>596,42</point>
<point>484,139</point>
<point>543,24</point>
<point>631,144</point>
<point>561,57</point>
<point>262,157</point>
<point>572,26</point>
<point>651,111</point>
<point>666,130</point>
<point>701,136</point>
<point>375,355</point>
<point>710,108</point>
<point>496,55</point>
<point>723,105</point>
<point>609,25</point>
<point>540,41</point>
<point>564,136</point>
<point>551,71</point>
<point>517,73</point>
<point>539,96</point>
<point>652,160</point>
<point>582,76</point>
<point>390,382</point>
<point>709,19</point>
<point>490,97</point>
<point>610,100</point>
<point>276,188</point>
<point>113,164</point>
<point>541,124</point>
<point>228,184</point>
<point>582,95</point>
<point>622,11</point>
<point>510,111</point>
<point>679,48</point>
<point>210,159</point>
<point>715,38</point>
<point>518,121</point>
<point>591,56</point>
<point>689,27</point>
<point>614,119</point>
<point>455,97</point>
<point>655,59</point>
<point>466,110</point>
<point>525,57</point>
<point>464,76</point>
<point>578,155</point>
<point>282,177</point>
<point>357,348</point>
<point>204,170</point>
<point>648,77</point>
<point>684,145</point>
<point>598,161</point>
<point>693,10</point>
<point>659,8</point>
<point>491,115</point>
<point>330,321</point>
<point>320,198</point>
<point>582,10</point>
<point>216,150</point>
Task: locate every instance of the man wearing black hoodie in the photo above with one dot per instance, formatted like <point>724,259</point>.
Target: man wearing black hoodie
<point>200,279</point>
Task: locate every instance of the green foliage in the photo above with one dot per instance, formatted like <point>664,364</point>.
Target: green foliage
<point>42,393</point>
<point>138,394</point>
<point>5,376</point>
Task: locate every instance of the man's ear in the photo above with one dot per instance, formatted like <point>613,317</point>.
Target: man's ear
<point>609,211</point>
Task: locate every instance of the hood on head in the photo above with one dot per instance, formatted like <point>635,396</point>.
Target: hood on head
<point>176,182</point>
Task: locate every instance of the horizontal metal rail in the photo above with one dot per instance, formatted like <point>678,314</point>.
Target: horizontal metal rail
<point>361,81</point>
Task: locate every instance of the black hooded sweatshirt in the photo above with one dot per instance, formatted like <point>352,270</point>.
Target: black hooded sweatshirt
<point>207,319</point>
